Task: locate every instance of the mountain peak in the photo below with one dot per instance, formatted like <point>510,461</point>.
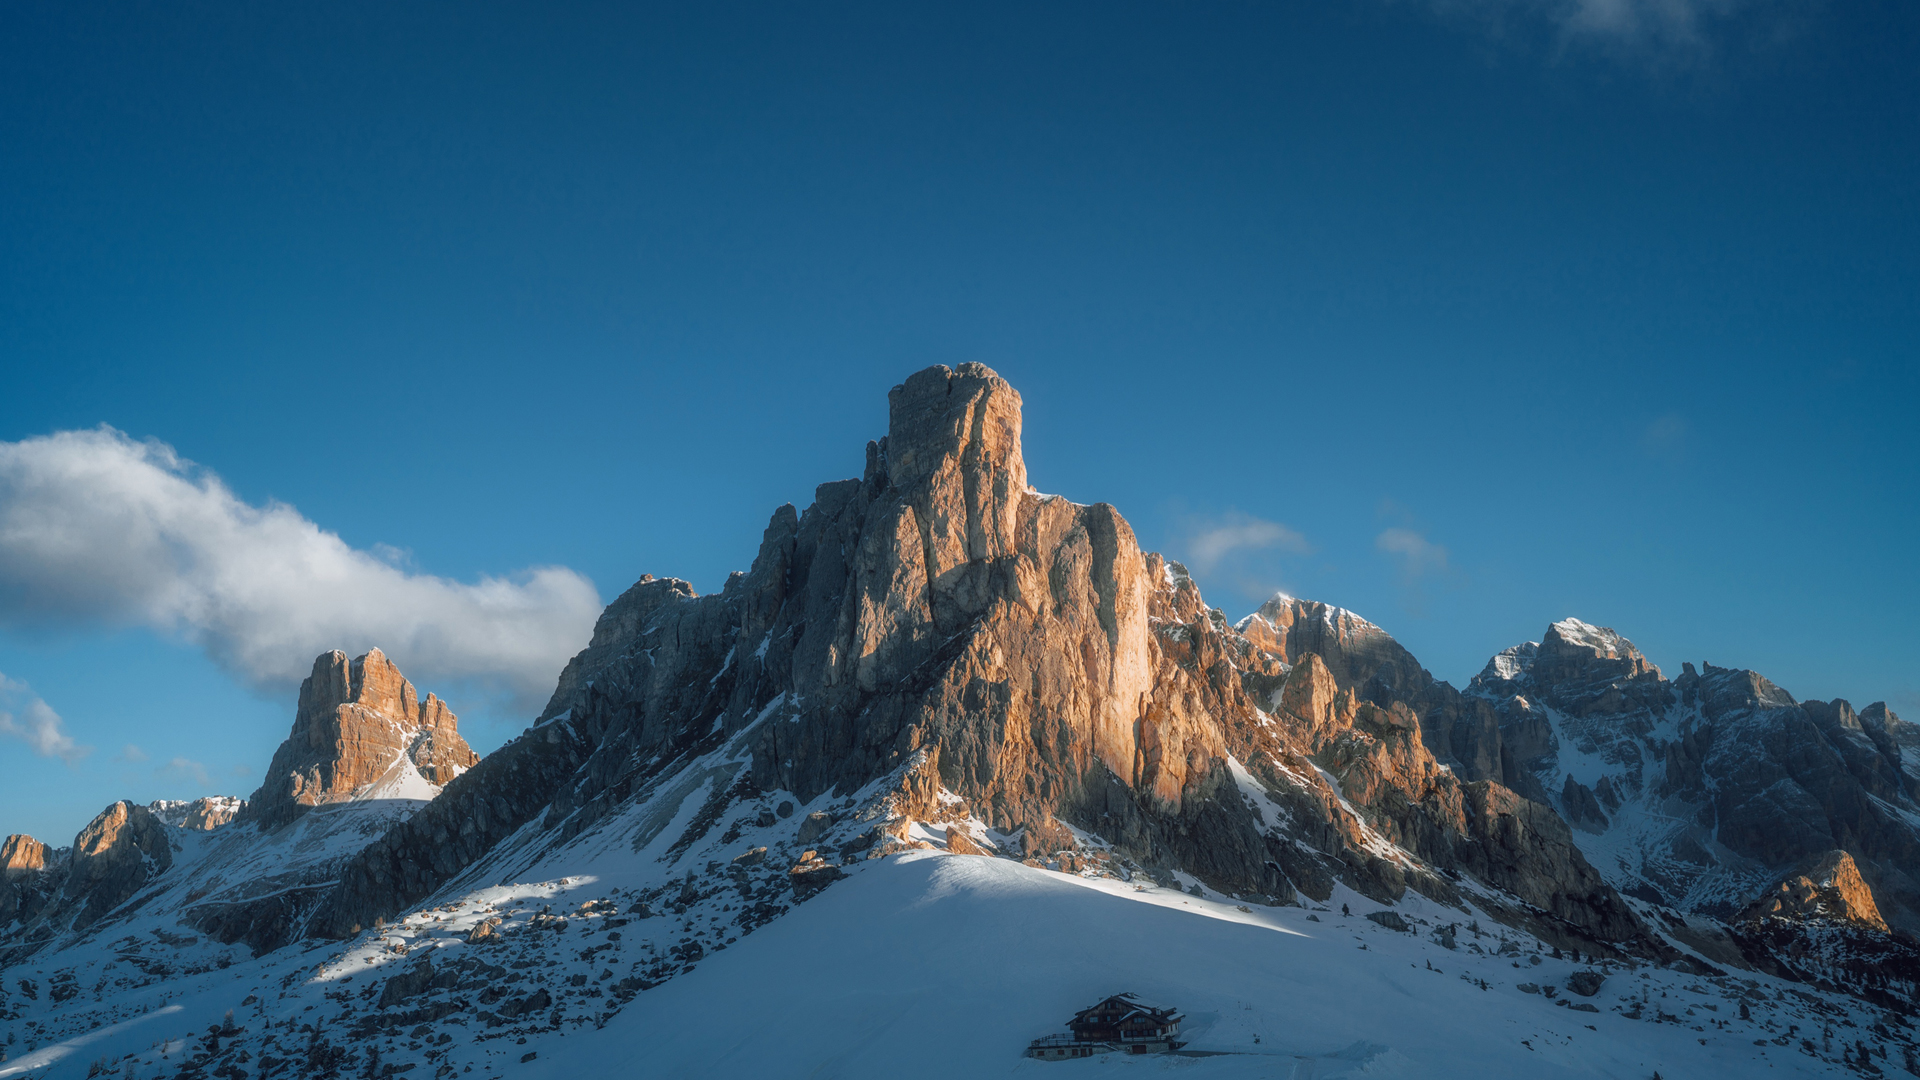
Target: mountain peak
<point>967,416</point>
<point>1568,650</point>
<point>23,853</point>
<point>1825,888</point>
<point>1602,641</point>
<point>360,731</point>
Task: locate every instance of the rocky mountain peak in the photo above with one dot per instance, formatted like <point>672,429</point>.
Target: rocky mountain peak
<point>1575,639</point>
<point>936,622</point>
<point>22,853</point>
<point>23,863</point>
<point>197,815</point>
<point>1355,651</point>
<point>956,420</point>
<point>360,730</point>
<point>114,857</point>
<point>1571,653</point>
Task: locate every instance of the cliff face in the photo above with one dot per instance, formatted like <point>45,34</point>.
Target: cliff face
<point>359,725</point>
<point>29,876</point>
<point>937,609</point>
<point>44,891</point>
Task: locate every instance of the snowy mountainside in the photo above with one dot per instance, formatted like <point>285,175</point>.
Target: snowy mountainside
<point>977,955</point>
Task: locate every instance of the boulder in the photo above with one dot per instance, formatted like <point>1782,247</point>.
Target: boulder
<point>1585,983</point>
<point>1391,920</point>
<point>813,827</point>
<point>811,874</point>
<point>959,843</point>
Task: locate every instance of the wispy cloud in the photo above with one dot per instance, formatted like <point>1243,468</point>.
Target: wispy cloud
<point>1213,541</point>
<point>99,529</point>
<point>25,717</point>
<point>1419,560</point>
<point>1665,437</point>
<point>1417,556</point>
<point>183,770</point>
<point>1663,32</point>
<point>131,753</point>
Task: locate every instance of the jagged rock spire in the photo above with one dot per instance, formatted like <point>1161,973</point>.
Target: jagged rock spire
<point>358,723</point>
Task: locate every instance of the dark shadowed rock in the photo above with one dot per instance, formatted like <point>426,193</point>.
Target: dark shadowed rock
<point>1585,983</point>
<point>114,857</point>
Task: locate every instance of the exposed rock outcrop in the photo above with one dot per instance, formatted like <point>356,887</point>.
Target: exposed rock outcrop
<point>30,875</point>
<point>21,854</point>
<point>198,815</point>
<point>359,727</point>
<point>1826,889</point>
<point>365,752</point>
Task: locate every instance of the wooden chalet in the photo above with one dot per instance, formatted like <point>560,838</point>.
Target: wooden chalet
<point>1119,1024</point>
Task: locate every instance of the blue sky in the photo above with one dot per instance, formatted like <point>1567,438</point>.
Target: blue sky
<point>1466,315</point>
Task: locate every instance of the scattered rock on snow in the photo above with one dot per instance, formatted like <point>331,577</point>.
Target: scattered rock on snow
<point>1391,920</point>
<point>814,826</point>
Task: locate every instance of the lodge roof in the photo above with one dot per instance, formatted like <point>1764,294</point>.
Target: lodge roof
<point>1126,1006</point>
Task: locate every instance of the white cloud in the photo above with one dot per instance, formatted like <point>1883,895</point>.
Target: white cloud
<point>99,529</point>
<point>132,753</point>
<point>35,723</point>
<point>182,770</point>
<point>1215,541</point>
<point>1418,557</point>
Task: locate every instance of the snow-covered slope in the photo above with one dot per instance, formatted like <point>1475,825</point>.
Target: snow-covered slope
<point>934,965</point>
<point>947,966</point>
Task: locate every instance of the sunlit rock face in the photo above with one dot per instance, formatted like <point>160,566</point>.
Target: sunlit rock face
<point>359,726</point>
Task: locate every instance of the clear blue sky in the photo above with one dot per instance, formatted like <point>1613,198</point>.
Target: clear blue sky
<point>1467,316</point>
